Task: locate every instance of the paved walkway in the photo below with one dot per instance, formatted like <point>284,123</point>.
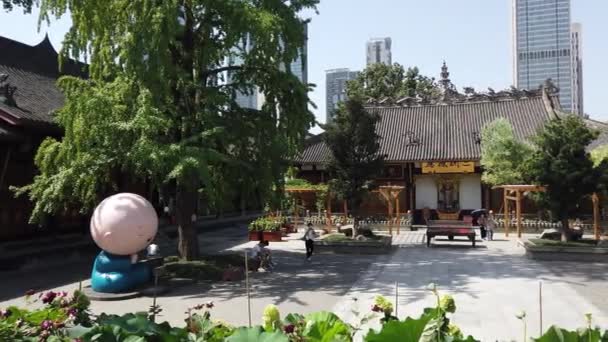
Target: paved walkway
<point>490,283</point>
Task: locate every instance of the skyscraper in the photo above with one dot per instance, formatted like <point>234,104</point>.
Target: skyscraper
<point>335,89</point>
<point>379,51</point>
<point>542,46</point>
<point>577,68</point>
<point>299,68</point>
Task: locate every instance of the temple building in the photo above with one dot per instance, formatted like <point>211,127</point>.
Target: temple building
<point>432,145</point>
<point>28,98</point>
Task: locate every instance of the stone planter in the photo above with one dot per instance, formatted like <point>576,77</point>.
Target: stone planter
<point>383,246</point>
<point>562,253</point>
<point>268,236</point>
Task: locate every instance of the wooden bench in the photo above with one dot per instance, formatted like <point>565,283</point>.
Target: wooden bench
<point>449,228</point>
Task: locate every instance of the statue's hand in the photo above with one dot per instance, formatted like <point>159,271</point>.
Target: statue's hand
<point>133,258</point>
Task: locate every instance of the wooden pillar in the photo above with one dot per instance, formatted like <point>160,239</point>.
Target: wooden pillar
<point>328,211</point>
<point>518,212</point>
<point>596,216</point>
<point>295,209</point>
<point>506,216</point>
<point>390,216</point>
<point>398,219</point>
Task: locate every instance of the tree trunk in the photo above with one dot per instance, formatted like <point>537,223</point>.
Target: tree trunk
<point>185,207</point>
<point>565,230</point>
<point>355,226</point>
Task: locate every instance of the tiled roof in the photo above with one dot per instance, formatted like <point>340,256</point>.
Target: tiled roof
<point>441,132</point>
<point>34,71</point>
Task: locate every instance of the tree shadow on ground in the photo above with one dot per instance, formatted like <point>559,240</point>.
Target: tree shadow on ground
<point>331,274</point>
<point>15,284</point>
<point>454,268</point>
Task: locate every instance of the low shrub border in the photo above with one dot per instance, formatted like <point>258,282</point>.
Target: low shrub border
<point>570,251</point>
<point>379,244</point>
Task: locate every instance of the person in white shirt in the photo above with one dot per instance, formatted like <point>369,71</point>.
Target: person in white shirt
<point>262,255</point>
<point>309,237</point>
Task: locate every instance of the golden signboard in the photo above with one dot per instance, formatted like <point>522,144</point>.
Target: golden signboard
<point>448,167</point>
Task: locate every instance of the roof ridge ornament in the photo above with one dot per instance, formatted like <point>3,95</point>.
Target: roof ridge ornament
<point>7,91</point>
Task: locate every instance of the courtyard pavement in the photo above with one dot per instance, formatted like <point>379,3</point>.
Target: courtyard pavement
<point>490,283</point>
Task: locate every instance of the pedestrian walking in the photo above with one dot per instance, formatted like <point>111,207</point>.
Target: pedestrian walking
<point>490,225</point>
<point>482,221</point>
<point>309,238</point>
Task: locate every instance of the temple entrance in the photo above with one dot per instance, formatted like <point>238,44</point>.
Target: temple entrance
<point>447,194</point>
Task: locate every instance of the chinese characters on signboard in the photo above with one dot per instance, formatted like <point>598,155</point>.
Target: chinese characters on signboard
<point>448,167</point>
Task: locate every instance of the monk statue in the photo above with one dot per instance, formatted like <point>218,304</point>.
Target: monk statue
<point>122,225</point>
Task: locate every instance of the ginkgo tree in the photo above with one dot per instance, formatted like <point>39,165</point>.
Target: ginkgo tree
<point>160,106</point>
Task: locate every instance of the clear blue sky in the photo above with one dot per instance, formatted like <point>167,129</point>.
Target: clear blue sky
<point>473,36</point>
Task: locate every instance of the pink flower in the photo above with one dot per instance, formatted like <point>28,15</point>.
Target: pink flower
<point>72,312</point>
<point>30,292</point>
<point>46,325</point>
<point>5,313</point>
<point>49,297</point>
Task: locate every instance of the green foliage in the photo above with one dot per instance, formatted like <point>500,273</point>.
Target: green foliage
<point>408,330</point>
<point>599,154</point>
<point>355,158</point>
<point>53,323</point>
<point>59,311</point>
<point>325,326</point>
<point>203,329</point>
<point>556,334</point>
<point>159,108</point>
<point>271,318</point>
<point>502,155</point>
<point>298,183</point>
<point>26,5</point>
<point>447,304</point>
<point>380,81</point>
<point>207,267</point>
<point>562,164</point>
<point>266,224</point>
<point>130,327</point>
<point>257,334</point>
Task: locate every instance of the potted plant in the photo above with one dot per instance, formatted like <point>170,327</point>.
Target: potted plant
<point>265,228</point>
<point>287,226</point>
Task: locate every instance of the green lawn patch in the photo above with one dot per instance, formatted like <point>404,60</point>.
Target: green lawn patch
<point>554,243</point>
<point>207,267</point>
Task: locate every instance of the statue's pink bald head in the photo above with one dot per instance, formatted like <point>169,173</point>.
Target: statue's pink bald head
<point>124,224</point>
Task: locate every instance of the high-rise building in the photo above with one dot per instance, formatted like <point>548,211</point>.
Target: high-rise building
<point>577,68</point>
<point>335,89</point>
<point>379,51</point>
<point>542,46</point>
<point>299,67</point>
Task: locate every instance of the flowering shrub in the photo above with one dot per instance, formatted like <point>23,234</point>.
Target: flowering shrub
<point>49,322</point>
<point>66,319</point>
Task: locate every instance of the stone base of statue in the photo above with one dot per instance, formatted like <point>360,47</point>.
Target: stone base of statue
<point>146,291</point>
